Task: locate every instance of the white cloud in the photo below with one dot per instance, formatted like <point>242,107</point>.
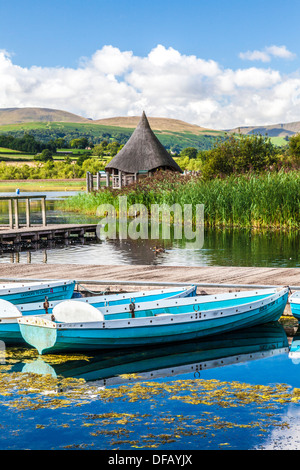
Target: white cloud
<point>267,53</point>
<point>164,83</point>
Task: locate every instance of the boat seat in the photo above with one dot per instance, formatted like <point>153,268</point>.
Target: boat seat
<point>8,310</point>
<point>72,311</point>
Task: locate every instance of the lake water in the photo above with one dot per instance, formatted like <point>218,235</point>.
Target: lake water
<point>220,248</point>
<point>238,391</point>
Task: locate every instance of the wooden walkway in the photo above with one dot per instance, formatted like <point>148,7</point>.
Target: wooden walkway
<point>153,274</point>
<point>49,232</point>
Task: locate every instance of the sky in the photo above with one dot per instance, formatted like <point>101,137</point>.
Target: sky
<point>218,64</point>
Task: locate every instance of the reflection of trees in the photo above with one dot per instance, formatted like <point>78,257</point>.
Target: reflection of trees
<point>253,248</point>
<point>222,247</point>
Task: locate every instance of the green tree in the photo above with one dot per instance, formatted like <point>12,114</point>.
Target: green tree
<point>294,148</point>
<point>44,156</point>
<point>80,143</point>
<point>239,154</point>
<point>189,152</point>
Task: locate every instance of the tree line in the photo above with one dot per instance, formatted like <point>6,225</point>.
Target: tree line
<point>237,154</point>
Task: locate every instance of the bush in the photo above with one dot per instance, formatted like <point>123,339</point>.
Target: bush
<point>44,156</point>
<point>239,155</point>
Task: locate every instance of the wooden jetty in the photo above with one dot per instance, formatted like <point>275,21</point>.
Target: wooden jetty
<point>48,232</point>
<point>13,209</point>
<point>147,276</point>
<point>15,232</point>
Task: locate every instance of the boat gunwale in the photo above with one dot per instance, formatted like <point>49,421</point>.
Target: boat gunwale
<point>103,298</point>
<point>196,299</point>
<point>154,321</point>
<point>294,298</point>
<point>19,288</point>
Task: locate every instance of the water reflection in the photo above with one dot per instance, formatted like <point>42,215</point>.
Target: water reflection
<point>239,389</point>
<point>121,366</point>
<point>230,247</point>
<point>295,349</point>
<point>221,248</point>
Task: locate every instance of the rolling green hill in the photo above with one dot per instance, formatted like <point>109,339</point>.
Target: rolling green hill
<point>49,124</point>
<point>174,135</point>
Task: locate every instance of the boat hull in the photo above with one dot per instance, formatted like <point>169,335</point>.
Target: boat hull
<point>295,305</point>
<point>10,331</point>
<point>36,292</point>
<point>47,336</point>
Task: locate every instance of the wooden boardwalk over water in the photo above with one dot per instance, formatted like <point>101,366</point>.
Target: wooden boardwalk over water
<point>49,232</point>
<point>150,275</point>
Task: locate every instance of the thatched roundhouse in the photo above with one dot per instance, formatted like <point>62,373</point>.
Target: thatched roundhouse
<point>142,155</point>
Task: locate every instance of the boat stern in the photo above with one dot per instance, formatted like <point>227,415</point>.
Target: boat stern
<point>39,332</point>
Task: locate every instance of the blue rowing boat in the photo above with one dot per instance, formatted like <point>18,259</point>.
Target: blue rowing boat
<point>9,327</point>
<point>23,293</point>
<point>77,326</point>
<point>294,302</point>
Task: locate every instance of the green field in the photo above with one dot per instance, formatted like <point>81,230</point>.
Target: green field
<point>96,133</point>
<point>279,141</point>
<point>44,132</point>
<point>43,185</point>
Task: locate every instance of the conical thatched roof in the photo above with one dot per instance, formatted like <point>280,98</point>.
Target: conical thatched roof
<point>142,152</point>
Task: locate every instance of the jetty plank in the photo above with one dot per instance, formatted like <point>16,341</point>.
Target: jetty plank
<point>148,273</point>
<point>50,231</point>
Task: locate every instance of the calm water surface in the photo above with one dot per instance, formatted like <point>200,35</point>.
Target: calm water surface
<point>237,391</point>
<point>220,248</point>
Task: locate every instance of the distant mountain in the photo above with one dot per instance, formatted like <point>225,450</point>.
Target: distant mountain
<point>157,124</point>
<point>9,116</point>
<point>48,124</point>
<point>275,130</point>
<point>23,115</point>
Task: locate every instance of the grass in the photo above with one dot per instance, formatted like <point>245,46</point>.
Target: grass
<point>268,200</point>
<point>43,185</point>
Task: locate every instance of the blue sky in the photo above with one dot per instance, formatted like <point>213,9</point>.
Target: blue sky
<point>237,61</point>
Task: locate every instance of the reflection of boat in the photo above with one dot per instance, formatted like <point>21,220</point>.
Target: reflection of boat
<point>23,293</point>
<point>167,361</point>
<point>294,301</point>
<point>76,326</point>
<point>9,327</point>
<point>294,353</point>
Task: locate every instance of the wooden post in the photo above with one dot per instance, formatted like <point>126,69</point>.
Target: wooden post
<point>120,179</point>
<point>16,213</point>
<point>87,182</point>
<point>27,212</point>
<point>107,179</point>
<point>91,181</point>
<point>98,181</point>
<point>10,212</point>
<point>44,211</point>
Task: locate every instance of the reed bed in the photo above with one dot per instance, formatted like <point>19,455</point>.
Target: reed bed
<point>271,199</point>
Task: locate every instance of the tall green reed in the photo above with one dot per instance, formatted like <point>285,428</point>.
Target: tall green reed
<point>271,199</point>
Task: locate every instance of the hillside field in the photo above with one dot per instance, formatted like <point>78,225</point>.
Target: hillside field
<point>173,140</point>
